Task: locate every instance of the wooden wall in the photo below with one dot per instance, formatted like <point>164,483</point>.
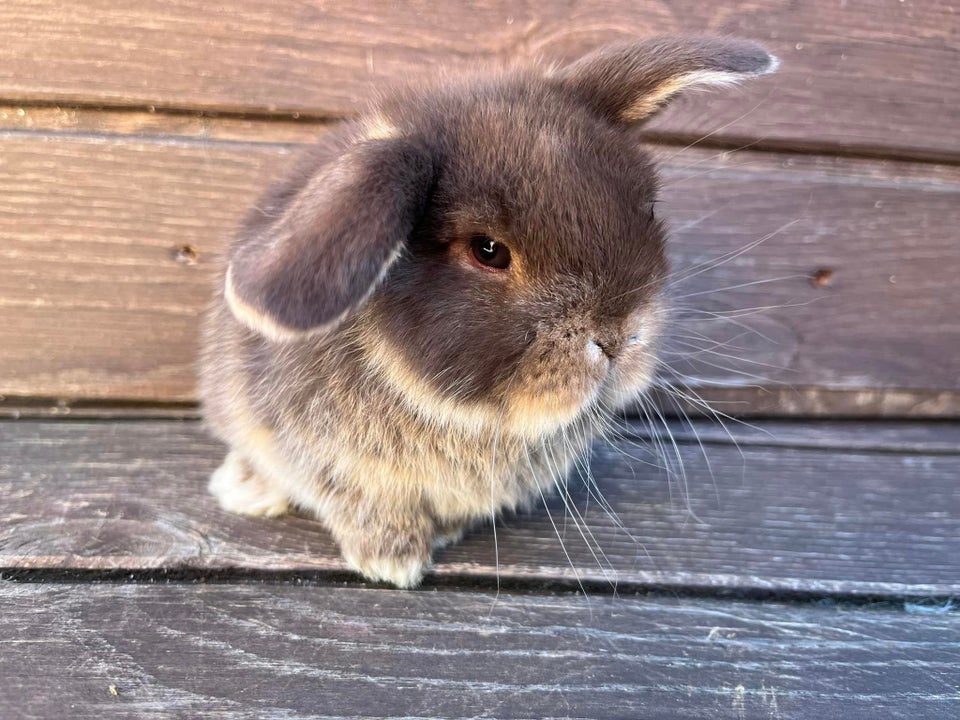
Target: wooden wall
<point>132,139</point>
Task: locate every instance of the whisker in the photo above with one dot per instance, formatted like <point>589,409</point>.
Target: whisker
<point>741,285</point>
<point>733,321</point>
<point>659,442</point>
<point>593,489</point>
<point>683,471</point>
<point>720,129</point>
<point>733,254</point>
<point>744,312</point>
<point>703,450</point>
<point>556,530</point>
<point>493,476</point>
<point>741,373</point>
<point>675,278</point>
<point>690,395</point>
<point>693,397</point>
<point>584,530</point>
<point>698,351</point>
<point>701,338</point>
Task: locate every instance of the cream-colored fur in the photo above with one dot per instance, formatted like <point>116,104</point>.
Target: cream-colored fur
<point>392,471</point>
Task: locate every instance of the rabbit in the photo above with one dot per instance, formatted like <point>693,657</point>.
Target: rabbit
<point>431,318</point>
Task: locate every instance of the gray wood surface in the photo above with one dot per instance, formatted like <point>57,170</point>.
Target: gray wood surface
<point>98,301</point>
<point>869,76</point>
<point>796,515</point>
<point>280,651</point>
<point>924,438</point>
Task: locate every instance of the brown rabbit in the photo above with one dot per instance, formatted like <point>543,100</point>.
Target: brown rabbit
<point>430,320</point>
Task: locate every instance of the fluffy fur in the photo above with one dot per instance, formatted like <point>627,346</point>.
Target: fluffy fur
<point>363,365</point>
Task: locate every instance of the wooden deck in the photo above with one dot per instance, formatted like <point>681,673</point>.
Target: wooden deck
<point>814,575</point>
<point>803,566</point>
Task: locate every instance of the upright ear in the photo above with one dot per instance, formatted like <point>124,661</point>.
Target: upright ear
<point>627,83</point>
<point>333,242</point>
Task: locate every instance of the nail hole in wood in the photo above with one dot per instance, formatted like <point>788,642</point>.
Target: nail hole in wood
<point>187,254</point>
<point>822,277</point>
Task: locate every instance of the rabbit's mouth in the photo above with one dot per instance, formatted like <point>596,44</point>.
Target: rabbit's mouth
<point>575,370</point>
<point>602,384</point>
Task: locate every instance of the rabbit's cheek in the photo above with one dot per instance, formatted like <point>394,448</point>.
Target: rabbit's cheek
<point>636,366</point>
<point>629,378</point>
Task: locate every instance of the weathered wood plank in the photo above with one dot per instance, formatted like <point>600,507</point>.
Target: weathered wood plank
<point>94,277</point>
<point>130,496</point>
<point>253,651</point>
<point>196,125</point>
<point>898,437</point>
<point>818,401</point>
<point>97,300</point>
<point>865,75</point>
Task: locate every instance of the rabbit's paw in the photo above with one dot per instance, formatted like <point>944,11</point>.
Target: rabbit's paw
<point>240,490</point>
<point>391,546</point>
<point>403,572</point>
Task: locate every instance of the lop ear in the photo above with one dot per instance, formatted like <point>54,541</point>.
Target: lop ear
<point>322,257</point>
<point>628,83</point>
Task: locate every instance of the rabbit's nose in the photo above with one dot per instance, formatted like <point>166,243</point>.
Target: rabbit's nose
<point>607,345</point>
<point>595,350</point>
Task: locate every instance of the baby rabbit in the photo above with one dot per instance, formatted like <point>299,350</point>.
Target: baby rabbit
<point>431,318</point>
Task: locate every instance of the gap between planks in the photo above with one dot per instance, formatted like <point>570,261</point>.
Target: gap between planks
<point>814,403</point>
<point>101,121</point>
<point>938,436</point>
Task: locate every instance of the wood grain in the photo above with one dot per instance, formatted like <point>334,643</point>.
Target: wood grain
<point>98,302</point>
<point>801,517</point>
<point>870,76</point>
<point>93,278</point>
<point>813,401</point>
<point>253,651</point>
<point>190,125</point>
<point>924,438</point>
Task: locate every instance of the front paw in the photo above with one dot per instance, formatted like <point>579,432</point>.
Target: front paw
<point>392,548</point>
<point>240,490</point>
<point>401,571</point>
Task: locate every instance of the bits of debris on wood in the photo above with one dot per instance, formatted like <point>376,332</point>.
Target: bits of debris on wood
<point>114,690</point>
<point>187,254</point>
<point>821,277</point>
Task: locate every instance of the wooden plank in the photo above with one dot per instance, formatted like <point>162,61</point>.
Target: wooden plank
<point>130,496</point>
<point>196,125</point>
<point>249,651</point>
<point>778,327</point>
<point>816,401</point>
<point>875,436</point>
<point>97,301</point>
<point>94,274</point>
<point>864,75</point>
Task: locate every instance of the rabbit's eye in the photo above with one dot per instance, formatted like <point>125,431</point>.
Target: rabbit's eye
<point>489,252</point>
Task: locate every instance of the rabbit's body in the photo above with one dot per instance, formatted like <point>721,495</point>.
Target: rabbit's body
<point>347,445</point>
<point>432,318</point>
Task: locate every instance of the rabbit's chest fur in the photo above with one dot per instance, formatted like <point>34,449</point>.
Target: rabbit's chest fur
<point>343,428</point>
